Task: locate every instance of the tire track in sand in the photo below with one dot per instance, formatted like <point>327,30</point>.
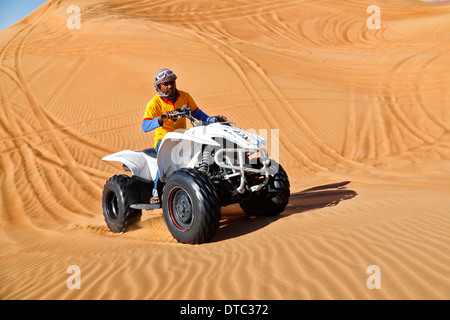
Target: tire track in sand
<point>304,127</point>
<point>9,123</point>
<point>222,13</point>
<point>47,187</point>
<point>238,68</point>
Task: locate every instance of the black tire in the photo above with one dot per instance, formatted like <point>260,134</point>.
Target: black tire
<point>274,201</point>
<point>191,207</point>
<point>116,204</point>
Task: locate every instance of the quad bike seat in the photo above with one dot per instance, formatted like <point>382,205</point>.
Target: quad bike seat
<point>150,152</point>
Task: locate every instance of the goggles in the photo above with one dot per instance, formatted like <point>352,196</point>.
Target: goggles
<point>163,74</point>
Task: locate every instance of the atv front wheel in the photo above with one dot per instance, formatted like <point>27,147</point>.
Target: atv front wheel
<point>191,207</point>
<point>273,201</point>
<point>116,204</point>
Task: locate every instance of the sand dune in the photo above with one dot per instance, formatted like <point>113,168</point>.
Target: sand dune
<point>364,122</point>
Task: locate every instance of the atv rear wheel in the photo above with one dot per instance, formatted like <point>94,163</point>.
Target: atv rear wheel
<point>191,207</point>
<point>116,204</point>
<point>273,201</point>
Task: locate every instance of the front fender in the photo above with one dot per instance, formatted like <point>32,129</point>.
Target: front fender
<point>180,150</point>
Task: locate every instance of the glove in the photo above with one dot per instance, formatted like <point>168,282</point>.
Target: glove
<point>218,119</point>
<point>167,115</point>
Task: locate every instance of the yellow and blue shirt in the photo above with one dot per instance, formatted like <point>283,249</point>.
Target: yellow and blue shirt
<point>157,106</point>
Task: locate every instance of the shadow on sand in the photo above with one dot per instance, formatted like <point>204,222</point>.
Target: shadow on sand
<point>236,223</point>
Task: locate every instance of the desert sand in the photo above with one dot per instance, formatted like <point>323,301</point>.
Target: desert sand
<point>364,130</point>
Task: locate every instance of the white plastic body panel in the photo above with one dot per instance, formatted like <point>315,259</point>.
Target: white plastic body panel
<point>182,149</point>
<point>138,162</point>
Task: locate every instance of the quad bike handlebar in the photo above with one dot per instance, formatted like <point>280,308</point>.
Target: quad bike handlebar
<point>186,113</point>
<point>179,113</point>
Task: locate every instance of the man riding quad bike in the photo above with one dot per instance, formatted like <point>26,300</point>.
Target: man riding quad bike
<point>195,172</point>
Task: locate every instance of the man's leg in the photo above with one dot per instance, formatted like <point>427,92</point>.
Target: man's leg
<point>155,198</point>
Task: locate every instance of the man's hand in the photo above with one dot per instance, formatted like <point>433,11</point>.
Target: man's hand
<point>167,115</point>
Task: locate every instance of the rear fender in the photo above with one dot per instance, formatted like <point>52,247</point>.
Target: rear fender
<point>138,162</point>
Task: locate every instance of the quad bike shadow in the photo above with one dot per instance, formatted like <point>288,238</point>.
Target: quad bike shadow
<point>328,195</point>
<point>234,224</point>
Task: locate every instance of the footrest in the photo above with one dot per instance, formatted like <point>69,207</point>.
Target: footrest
<point>145,206</point>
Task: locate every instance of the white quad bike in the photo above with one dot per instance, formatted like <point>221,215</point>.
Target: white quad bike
<point>201,169</point>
